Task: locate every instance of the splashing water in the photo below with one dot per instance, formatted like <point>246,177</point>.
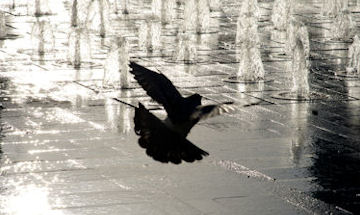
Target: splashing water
<point>116,69</point>
<point>3,31</point>
<point>168,11</point>
<point>343,27</point>
<point>298,48</point>
<point>354,56</point>
<point>333,7</point>
<point>248,42</point>
<point>186,50</point>
<point>281,13</point>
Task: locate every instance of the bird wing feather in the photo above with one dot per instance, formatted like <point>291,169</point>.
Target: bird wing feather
<point>157,86</point>
<point>203,112</point>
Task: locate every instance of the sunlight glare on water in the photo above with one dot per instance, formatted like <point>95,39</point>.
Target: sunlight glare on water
<point>32,199</point>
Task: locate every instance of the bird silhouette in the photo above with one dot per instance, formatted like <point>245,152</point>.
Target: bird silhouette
<point>165,140</point>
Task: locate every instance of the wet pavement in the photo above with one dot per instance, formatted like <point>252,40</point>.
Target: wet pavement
<point>67,140</point>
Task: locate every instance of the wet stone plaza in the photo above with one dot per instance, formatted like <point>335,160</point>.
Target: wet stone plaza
<point>288,69</point>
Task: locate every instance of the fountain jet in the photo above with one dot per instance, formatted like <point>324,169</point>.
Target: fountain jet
<point>98,17</point>
<point>298,48</point>
<point>190,15</point>
<point>39,7</point>
<point>42,37</point>
<point>197,16</point>
<point>116,68</point>
<point>168,11</point>
<point>149,34</point>
<point>343,27</point>
<point>3,30</point>
<point>186,50</point>
<point>203,18</point>
<point>334,7</point>
<point>124,6</point>
<point>354,57</point>
<point>156,8</point>
<point>247,40</point>
<point>79,47</point>
<point>281,13</point>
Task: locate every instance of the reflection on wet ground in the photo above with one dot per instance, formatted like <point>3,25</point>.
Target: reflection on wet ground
<point>291,146</point>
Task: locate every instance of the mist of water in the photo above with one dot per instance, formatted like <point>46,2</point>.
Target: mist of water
<point>281,13</point>
<point>248,43</point>
<point>354,56</point>
<point>298,48</point>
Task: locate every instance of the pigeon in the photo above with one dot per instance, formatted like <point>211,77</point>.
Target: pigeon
<point>165,140</point>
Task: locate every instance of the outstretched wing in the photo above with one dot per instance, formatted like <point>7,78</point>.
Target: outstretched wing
<point>157,86</point>
<point>203,112</point>
<point>161,143</point>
